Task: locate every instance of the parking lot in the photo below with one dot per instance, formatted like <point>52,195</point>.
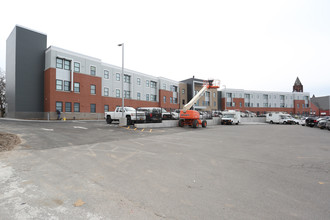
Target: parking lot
<point>92,170</point>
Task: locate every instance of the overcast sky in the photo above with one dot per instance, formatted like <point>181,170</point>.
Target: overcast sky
<point>256,45</point>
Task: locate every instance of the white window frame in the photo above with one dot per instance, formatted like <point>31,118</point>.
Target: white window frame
<point>107,78</point>
<point>104,91</point>
<point>90,70</point>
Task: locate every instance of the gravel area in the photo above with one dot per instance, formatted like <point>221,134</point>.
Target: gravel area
<point>8,141</point>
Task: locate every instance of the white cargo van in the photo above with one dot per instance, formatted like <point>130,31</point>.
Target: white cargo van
<point>279,118</point>
<point>230,117</point>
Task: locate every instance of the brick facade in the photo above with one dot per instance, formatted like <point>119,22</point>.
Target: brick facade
<point>85,98</point>
<point>167,105</point>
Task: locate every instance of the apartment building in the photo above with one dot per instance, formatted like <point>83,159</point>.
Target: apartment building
<point>264,101</point>
<point>208,102</point>
<point>78,85</point>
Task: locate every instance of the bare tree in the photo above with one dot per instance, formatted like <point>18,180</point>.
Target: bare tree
<point>3,103</point>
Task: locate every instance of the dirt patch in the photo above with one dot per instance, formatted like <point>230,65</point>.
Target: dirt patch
<point>8,141</point>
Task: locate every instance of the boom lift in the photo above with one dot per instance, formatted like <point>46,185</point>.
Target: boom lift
<point>192,117</point>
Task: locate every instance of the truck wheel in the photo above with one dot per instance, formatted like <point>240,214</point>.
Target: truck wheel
<point>195,124</point>
<point>204,124</point>
<point>181,123</point>
<point>271,122</point>
<point>237,123</point>
<point>129,121</point>
<point>109,120</point>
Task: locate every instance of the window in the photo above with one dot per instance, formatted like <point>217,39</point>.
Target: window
<point>66,86</point>
<point>76,107</point>
<point>106,91</point>
<point>59,106</point>
<point>106,74</point>
<point>117,93</point>
<point>183,102</point>
<point>214,104</point>
<point>118,76</point>
<point>265,96</point>
<point>76,67</point>
<point>147,83</point>
<point>93,70</point>
<point>59,84</point>
<point>67,64</point>
<point>257,104</point>
<point>127,79</point>
<point>153,97</point>
<point>153,84</point>
<point>251,104</point>
<point>138,95</point>
<point>127,94</point>
<point>76,87</point>
<point>93,108</point>
<point>147,97</point>
<point>138,81</point>
<point>240,104</point>
<point>228,104</point>
<point>106,108</point>
<point>93,89</point>
<point>164,86</point>
<point>265,104</point>
<point>214,95</point>
<point>59,63</point>
<point>182,91</point>
<point>282,105</point>
<point>68,107</point>
<point>164,99</point>
<point>174,88</point>
<point>175,100</point>
<point>297,105</point>
<point>171,100</point>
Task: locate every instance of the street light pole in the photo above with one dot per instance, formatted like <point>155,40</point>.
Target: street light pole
<point>122,78</point>
<point>225,96</point>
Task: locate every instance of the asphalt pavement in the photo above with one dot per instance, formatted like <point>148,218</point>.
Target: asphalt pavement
<point>91,170</point>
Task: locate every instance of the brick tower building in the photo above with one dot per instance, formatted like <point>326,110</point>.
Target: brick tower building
<point>298,87</point>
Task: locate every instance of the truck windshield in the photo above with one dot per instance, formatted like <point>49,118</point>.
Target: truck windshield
<point>228,116</point>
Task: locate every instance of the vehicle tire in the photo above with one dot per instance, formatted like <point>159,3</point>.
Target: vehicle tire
<point>204,124</point>
<point>129,120</point>
<point>195,124</point>
<point>109,120</point>
<point>237,123</point>
<point>284,122</point>
<point>181,123</point>
<point>329,128</point>
<point>271,122</point>
<point>222,123</point>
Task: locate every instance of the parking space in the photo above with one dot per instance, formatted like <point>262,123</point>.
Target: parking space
<point>91,170</point>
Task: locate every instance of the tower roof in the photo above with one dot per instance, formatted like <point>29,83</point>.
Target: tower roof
<point>297,82</point>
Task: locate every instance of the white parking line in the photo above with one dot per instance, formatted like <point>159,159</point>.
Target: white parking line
<point>80,127</point>
<point>47,129</point>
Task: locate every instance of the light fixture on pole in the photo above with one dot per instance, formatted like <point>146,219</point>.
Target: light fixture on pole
<point>122,78</point>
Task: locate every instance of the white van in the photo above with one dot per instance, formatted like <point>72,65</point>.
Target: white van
<point>279,118</point>
<point>231,117</point>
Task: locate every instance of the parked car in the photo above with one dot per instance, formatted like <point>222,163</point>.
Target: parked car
<point>311,121</point>
<point>303,121</point>
<point>328,124</point>
<point>322,123</point>
<point>132,115</point>
<point>166,115</point>
<point>152,114</point>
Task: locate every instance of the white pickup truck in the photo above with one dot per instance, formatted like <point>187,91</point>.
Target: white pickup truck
<point>130,113</point>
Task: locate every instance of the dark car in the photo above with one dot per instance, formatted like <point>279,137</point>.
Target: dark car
<point>311,121</point>
<point>152,114</point>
